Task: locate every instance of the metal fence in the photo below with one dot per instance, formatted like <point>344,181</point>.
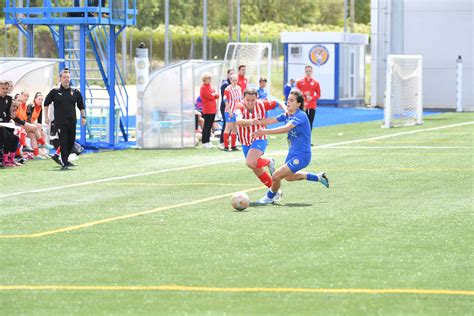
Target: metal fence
<point>181,47</point>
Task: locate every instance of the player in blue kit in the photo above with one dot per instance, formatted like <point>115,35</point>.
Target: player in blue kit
<point>299,151</point>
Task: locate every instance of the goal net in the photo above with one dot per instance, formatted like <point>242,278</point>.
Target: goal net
<point>403,92</point>
<point>255,56</point>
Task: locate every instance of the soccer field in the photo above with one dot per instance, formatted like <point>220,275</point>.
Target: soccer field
<point>153,232</point>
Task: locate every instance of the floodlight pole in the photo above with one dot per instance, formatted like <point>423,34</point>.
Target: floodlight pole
<point>345,16</point>
<point>374,44</point>
<point>238,20</point>
<point>204,30</point>
<point>167,26</point>
<point>231,19</point>
<point>352,15</point>
<point>20,35</point>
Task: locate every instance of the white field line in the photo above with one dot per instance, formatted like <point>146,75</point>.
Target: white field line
<point>401,147</point>
<point>223,161</point>
<point>118,178</point>
<point>394,135</point>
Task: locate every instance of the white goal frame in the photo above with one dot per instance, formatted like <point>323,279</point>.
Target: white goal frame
<point>388,106</point>
<point>233,62</point>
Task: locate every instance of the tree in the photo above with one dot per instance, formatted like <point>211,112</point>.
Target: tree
<point>330,12</point>
<point>291,12</point>
<point>148,13</point>
<point>362,11</point>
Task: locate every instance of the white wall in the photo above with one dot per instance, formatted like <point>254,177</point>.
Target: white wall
<point>324,74</point>
<point>439,30</point>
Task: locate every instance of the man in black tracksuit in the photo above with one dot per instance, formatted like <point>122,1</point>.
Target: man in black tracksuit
<point>65,99</point>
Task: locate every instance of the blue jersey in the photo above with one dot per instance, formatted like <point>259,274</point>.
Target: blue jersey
<point>299,138</point>
<point>262,93</point>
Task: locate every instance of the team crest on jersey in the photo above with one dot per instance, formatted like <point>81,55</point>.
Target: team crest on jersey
<point>319,55</point>
<point>296,162</point>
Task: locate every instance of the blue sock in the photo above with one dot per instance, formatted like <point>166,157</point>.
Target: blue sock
<point>312,177</point>
<point>270,194</point>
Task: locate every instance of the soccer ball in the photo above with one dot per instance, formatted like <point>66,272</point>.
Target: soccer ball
<point>240,201</point>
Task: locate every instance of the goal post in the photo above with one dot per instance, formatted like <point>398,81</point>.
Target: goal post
<point>403,93</point>
<point>256,57</point>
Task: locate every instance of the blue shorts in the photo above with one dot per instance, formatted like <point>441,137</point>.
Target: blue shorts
<point>296,162</point>
<point>229,119</point>
<point>260,144</point>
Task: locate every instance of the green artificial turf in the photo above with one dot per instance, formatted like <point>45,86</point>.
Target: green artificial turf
<point>398,215</point>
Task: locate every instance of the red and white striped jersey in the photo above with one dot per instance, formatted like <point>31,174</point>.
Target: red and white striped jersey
<point>233,96</point>
<point>258,112</point>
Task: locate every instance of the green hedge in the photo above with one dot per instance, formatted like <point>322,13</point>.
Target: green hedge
<point>182,38</point>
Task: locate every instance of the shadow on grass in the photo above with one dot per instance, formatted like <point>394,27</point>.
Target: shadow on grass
<point>296,205</point>
<point>276,205</point>
<point>63,170</point>
<point>435,118</point>
<point>256,204</point>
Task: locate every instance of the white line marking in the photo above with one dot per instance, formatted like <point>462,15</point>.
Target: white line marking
<point>176,184</point>
<point>225,161</point>
<point>401,147</point>
<point>394,135</point>
<point>118,178</point>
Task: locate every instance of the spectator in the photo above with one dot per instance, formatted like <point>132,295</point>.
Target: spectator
<point>208,96</point>
<point>224,85</point>
<point>286,90</point>
<point>262,90</point>
<point>242,79</point>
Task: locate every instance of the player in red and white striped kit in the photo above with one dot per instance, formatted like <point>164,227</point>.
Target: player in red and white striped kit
<point>249,113</point>
<point>232,95</point>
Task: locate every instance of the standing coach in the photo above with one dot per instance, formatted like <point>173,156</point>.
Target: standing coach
<point>65,99</point>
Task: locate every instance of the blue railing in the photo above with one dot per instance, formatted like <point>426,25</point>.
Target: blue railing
<point>115,12</point>
<point>99,39</point>
<point>57,15</point>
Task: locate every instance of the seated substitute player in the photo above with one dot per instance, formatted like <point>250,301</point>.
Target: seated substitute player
<point>299,152</point>
<point>248,113</point>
